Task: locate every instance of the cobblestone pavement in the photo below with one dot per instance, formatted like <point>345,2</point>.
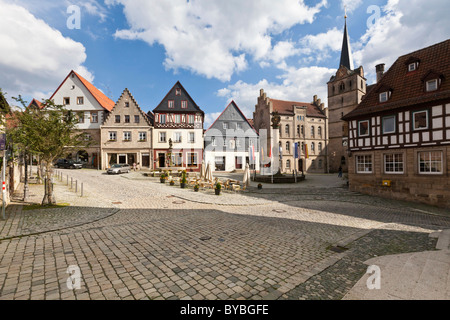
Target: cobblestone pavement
<point>134,238</point>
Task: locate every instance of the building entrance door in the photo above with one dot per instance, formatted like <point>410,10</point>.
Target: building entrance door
<point>162,160</point>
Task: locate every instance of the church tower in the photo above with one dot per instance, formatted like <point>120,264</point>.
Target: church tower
<point>345,91</point>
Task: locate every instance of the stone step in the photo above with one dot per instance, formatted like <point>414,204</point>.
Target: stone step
<point>443,242</point>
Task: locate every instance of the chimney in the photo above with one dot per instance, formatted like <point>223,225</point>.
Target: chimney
<point>315,98</point>
<point>380,71</point>
<point>318,102</point>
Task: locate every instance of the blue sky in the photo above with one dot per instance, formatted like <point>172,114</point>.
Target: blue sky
<point>219,50</point>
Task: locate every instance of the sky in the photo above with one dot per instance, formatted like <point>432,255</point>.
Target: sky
<point>219,50</point>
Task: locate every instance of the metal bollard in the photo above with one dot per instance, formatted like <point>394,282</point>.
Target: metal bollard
<point>76,186</point>
<point>67,180</point>
<point>82,189</point>
<point>71,182</point>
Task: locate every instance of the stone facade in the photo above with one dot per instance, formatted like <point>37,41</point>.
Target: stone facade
<point>126,134</point>
<point>302,123</point>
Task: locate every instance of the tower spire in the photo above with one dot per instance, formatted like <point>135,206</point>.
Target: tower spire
<point>346,53</point>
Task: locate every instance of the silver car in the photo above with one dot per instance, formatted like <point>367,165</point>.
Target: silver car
<point>118,168</point>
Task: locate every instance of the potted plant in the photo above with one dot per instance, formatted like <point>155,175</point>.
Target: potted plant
<point>217,188</point>
<point>172,182</point>
<point>259,186</point>
<point>183,179</point>
<point>196,187</point>
<point>163,178</point>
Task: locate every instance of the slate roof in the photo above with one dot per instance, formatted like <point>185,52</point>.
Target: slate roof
<point>408,88</point>
<point>287,108</point>
<point>101,98</point>
<point>233,104</point>
<point>171,95</point>
<point>346,53</point>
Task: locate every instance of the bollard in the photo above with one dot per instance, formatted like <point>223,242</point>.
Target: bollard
<point>82,189</point>
<point>76,186</point>
<point>71,182</point>
<point>67,180</point>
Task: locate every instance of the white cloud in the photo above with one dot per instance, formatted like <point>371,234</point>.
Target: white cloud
<point>351,5</point>
<point>404,27</point>
<point>210,118</point>
<point>215,38</point>
<point>298,84</point>
<point>35,58</point>
<point>317,47</point>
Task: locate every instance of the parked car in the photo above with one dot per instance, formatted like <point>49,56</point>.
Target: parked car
<point>118,168</point>
<point>68,163</point>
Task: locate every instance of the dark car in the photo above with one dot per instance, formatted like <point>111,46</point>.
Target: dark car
<point>68,163</point>
<point>118,168</point>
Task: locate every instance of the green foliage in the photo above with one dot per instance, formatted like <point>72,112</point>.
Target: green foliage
<point>183,177</point>
<point>218,186</point>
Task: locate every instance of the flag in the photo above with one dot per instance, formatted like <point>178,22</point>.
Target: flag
<point>296,150</point>
<point>306,151</point>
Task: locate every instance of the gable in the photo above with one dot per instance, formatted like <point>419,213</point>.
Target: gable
<point>126,105</point>
<point>232,115</point>
<point>178,95</point>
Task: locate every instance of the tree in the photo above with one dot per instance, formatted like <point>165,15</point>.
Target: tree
<point>48,132</point>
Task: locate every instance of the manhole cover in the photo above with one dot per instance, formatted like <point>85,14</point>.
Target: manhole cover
<point>205,238</point>
<point>338,249</point>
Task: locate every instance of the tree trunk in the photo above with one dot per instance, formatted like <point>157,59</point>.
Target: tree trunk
<point>49,197</point>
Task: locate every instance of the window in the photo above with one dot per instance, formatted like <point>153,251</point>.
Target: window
<point>225,125</point>
<point>177,159</point>
<point>384,96</point>
<point>238,143</point>
<point>341,86</point>
<point>420,120</point>
<point>412,67</point>
<point>171,104</point>
<point>177,137</point>
<point>191,119</point>
<point>393,163</point>
<point>178,118</point>
<point>319,147</point>
<point>127,119</point>
<point>80,117</point>
<point>162,137</point>
<point>319,132</point>
<point>127,136</point>
<point>363,128</point>
<point>94,117</point>
<point>80,100</point>
<point>66,101</point>
<point>287,147</point>
<point>312,131</point>
<point>364,164</point>
<point>117,119</point>
<point>238,126</point>
<point>431,162</point>
<point>286,130</point>
<point>142,136</point>
<point>162,119</point>
<point>388,124</point>
<point>288,164</point>
<point>191,137</point>
<point>313,147</point>
<point>112,135</point>
<point>192,159</point>
<point>127,104</point>
<point>178,91</point>
<point>298,130</point>
<point>87,137</point>
<point>136,119</point>
<point>302,130</point>
<point>213,142</point>
<point>432,85</point>
<point>184,104</point>
<point>320,163</point>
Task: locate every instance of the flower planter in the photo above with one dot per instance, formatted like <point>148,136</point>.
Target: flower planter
<point>217,191</point>
<point>183,185</point>
<point>172,183</point>
<point>259,186</point>
<point>162,180</point>
<point>196,189</point>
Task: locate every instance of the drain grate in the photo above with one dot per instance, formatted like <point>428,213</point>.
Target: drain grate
<point>338,249</point>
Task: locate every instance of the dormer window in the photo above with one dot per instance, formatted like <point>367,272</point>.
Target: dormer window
<point>178,91</point>
<point>432,85</point>
<point>384,96</point>
<point>412,67</point>
<point>412,64</point>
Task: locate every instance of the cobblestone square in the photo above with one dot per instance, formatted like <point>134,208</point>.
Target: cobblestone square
<point>133,238</point>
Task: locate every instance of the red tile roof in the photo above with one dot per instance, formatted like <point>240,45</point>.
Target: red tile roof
<point>101,98</point>
<point>287,108</point>
<point>35,102</point>
<point>408,88</point>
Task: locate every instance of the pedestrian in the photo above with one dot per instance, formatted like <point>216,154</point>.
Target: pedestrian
<point>340,172</point>
<point>137,166</point>
<point>134,166</point>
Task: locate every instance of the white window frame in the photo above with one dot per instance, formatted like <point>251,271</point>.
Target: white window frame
<point>161,135</point>
<point>412,67</point>
<point>112,135</point>
<point>127,136</point>
<point>366,160</point>
<point>142,136</point>
<point>225,125</point>
<point>395,163</point>
<point>434,82</point>
<point>178,118</point>
<point>191,117</point>
<point>80,100</point>
<point>430,162</point>
<point>414,122</point>
<point>171,104</point>
<point>191,135</point>
<point>213,142</point>
<point>383,96</point>
<point>188,159</point>
<point>176,136</point>
<point>184,104</point>
<point>359,128</point>
<point>384,127</point>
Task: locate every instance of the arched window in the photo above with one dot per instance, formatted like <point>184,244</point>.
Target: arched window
<point>312,147</point>
<point>298,130</point>
<point>287,147</point>
<point>341,86</point>
<point>319,132</point>
<point>302,130</point>
<point>286,130</point>
<point>319,147</point>
<point>312,131</point>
